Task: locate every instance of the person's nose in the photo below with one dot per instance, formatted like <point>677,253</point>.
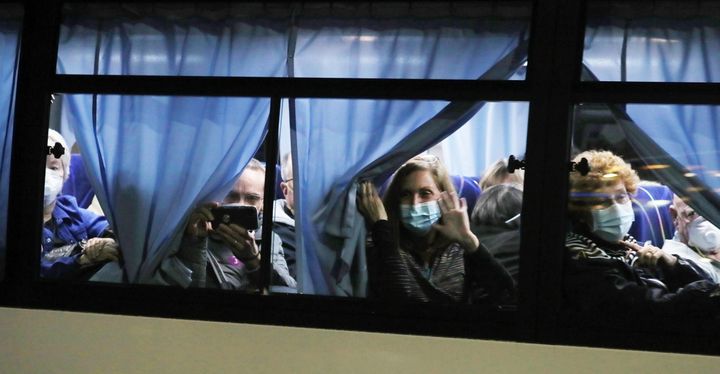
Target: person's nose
<point>417,199</point>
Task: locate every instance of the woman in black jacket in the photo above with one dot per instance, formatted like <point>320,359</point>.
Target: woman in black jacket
<point>422,247</point>
<point>606,269</point>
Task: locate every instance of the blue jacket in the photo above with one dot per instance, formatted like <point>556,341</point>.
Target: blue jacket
<point>73,224</point>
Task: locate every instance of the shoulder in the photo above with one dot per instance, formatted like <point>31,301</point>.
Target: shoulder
<point>70,210</point>
<point>579,246</point>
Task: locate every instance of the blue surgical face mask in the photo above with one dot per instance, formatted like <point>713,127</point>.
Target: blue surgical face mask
<point>612,223</point>
<point>419,218</point>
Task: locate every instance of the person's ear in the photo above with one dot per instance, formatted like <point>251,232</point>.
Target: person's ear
<point>673,212</point>
<point>284,188</point>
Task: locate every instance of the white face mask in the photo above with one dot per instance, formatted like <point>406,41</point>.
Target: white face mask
<point>53,186</point>
<point>703,235</point>
<point>612,224</point>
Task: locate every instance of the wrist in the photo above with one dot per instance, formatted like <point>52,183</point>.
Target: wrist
<point>470,243</point>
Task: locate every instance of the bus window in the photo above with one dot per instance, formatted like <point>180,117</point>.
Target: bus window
<point>393,186</point>
<point>165,172</point>
<point>429,40</point>
<point>652,41</point>
<point>644,218</point>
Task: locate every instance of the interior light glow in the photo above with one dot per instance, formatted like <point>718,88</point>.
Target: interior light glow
<point>655,167</point>
<point>690,175</point>
<point>361,38</point>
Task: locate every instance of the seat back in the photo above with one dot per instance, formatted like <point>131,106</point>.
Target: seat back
<point>469,188</point>
<point>653,221</point>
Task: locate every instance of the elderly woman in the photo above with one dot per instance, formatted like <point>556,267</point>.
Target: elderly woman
<point>75,240</point>
<point>606,269</point>
<point>422,248</point>
<point>496,222</point>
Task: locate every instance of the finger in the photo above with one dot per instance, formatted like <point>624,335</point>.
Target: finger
<point>442,202</point>
<point>205,214</point>
<point>232,242</point>
<point>454,200</point>
<point>631,245</point>
<point>239,230</point>
<point>463,204</point>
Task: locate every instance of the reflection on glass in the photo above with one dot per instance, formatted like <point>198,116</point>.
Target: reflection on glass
<point>10,17</point>
<point>652,41</point>
<point>371,221</point>
<point>643,226</point>
<point>458,40</point>
<point>157,166</point>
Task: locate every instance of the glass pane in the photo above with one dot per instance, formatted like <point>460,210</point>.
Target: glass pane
<point>476,40</point>
<point>384,245</point>
<point>653,41</point>
<point>644,220</point>
<point>156,190</point>
<point>10,20</point>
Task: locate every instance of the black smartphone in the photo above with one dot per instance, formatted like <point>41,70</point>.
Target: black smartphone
<point>244,216</point>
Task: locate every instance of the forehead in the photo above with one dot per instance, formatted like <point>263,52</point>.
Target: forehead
<point>418,179</point>
<point>250,181</point>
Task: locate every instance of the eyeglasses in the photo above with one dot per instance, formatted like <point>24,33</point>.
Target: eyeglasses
<point>598,199</point>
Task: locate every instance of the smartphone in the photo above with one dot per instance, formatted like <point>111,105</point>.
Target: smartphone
<point>244,216</point>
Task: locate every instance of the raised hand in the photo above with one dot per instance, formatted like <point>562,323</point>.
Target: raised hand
<point>455,224</point>
<point>199,223</point>
<point>369,203</point>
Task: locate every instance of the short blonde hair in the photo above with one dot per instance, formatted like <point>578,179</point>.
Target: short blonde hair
<point>499,174</point>
<point>606,169</point>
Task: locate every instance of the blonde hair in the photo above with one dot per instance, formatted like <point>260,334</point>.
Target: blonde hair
<point>391,199</point>
<point>606,169</point>
<point>498,174</point>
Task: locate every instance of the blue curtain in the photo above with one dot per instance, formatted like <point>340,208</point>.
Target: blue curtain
<point>653,49</point>
<point>380,41</point>
<point>9,44</point>
<point>151,159</point>
<point>175,39</point>
<point>338,142</point>
<point>657,45</point>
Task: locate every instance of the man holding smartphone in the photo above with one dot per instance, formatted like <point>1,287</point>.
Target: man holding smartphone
<point>226,255</point>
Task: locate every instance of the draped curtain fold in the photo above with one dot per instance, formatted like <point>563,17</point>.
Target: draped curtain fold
<point>664,45</point>
<point>334,141</point>
<point>338,142</point>
<point>9,44</point>
<point>152,159</point>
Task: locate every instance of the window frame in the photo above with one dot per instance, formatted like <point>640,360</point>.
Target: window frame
<point>552,88</point>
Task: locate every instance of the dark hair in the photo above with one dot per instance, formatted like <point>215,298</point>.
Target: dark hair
<point>497,205</point>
